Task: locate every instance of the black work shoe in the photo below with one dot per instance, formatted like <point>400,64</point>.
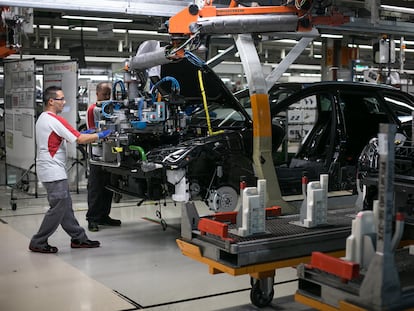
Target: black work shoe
<point>93,226</point>
<point>85,244</point>
<point>108,221</point>
<point>47,249</point>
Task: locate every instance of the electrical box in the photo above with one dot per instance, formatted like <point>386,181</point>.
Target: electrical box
<point>384,51</point>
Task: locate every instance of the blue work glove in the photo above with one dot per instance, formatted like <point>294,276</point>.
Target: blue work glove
<point>104,134</point>
<point>88,131</point>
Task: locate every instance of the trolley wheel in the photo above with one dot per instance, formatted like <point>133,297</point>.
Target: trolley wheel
<point>117,197</point>
<point>13,205</point>
<point>163,224</point>
<point>258,297</point>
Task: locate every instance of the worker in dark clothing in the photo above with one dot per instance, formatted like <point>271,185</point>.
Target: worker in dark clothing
<point>99,197</point>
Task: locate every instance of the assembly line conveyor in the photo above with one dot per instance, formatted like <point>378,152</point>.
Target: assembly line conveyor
<point>284,244</point>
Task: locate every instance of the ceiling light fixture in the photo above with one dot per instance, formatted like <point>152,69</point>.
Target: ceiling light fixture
<point>291,41</point>
<point>360,46</point>
<point>99,19</point>
<point>331,36</point>
<point>399,9</point>
<point>405,42</point>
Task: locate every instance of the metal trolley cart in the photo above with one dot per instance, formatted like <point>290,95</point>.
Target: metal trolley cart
<point>209,240</point>
<point>377,273</point>
<point>23,184</point>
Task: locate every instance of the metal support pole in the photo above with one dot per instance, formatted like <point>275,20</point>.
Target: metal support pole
<point>214,61</point>
<point>381,288</point>
<point>189,219</point>
<point>262,130</point>
<point>373,6</point>
<point>402,54</point>
<point>294,53</point>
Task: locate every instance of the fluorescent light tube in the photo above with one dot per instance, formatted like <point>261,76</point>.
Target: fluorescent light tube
<point>397,9</point>
<point>327,35</point>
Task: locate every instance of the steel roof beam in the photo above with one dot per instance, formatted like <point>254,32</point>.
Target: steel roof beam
<point>363,25</point>
<point>165,8</point>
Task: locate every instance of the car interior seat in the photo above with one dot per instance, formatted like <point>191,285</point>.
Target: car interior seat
<point>361,123</point>
<point>278,135</point>
<point>314,148</point>
<point>310,160</point>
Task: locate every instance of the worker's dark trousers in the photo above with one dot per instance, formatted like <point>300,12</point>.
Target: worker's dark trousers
<point>59,213</point>
<point>99,198</point>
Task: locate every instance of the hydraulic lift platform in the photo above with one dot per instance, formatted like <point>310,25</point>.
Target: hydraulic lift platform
<point>210,240</point>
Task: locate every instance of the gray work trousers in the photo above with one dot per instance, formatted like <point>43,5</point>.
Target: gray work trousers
<point>59,213</point>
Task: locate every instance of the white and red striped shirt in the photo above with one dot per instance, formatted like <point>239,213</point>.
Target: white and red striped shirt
<point>52,132</point>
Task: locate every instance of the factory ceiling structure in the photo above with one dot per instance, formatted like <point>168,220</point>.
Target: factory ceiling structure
<point>57,28</point>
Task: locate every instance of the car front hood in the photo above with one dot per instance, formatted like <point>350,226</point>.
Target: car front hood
<point>186,73</point>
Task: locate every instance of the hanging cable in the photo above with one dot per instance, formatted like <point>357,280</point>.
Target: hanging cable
<point>203,94</point>
<point>194,59</point>
<point>140,107</point>
<point>123,90</point>
<point>104,104</point>
<point>175,86</point>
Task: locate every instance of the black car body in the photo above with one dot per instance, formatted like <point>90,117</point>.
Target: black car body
<point>317,128</point>
<point>213,162</point>
<point>326,126</point>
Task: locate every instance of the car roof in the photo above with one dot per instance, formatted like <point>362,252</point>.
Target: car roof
<point>298,86</point>
<point>349,84</point>
<point>332,86</point>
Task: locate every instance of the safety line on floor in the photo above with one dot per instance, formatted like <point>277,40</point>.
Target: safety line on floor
<point>132,302</point>
<point>28,214</point>
<point>212,295</point>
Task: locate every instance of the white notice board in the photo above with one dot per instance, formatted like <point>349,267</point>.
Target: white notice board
<point>65,75</point>
<point>20,116</point>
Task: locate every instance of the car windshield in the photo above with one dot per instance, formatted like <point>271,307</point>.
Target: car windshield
<point>276,94</point>
<point>220,115</point>
<point>403,110</point>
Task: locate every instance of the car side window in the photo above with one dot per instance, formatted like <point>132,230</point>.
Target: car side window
<point>316,144</point>
<point>302,117</point>
<point>326,103</point>
<point>276,96</point>
<point>360,107</point>
<point>363,112</point>
<point>401,107</point>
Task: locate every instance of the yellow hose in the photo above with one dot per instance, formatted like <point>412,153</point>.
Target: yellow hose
<point>203,94</point>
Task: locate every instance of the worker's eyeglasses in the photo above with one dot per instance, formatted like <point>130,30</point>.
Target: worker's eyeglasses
<point>59,98</point>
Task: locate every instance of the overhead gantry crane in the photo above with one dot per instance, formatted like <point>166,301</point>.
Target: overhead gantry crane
<point>241,21</point>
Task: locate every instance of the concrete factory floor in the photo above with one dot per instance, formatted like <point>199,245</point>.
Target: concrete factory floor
<point>138,266</point>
